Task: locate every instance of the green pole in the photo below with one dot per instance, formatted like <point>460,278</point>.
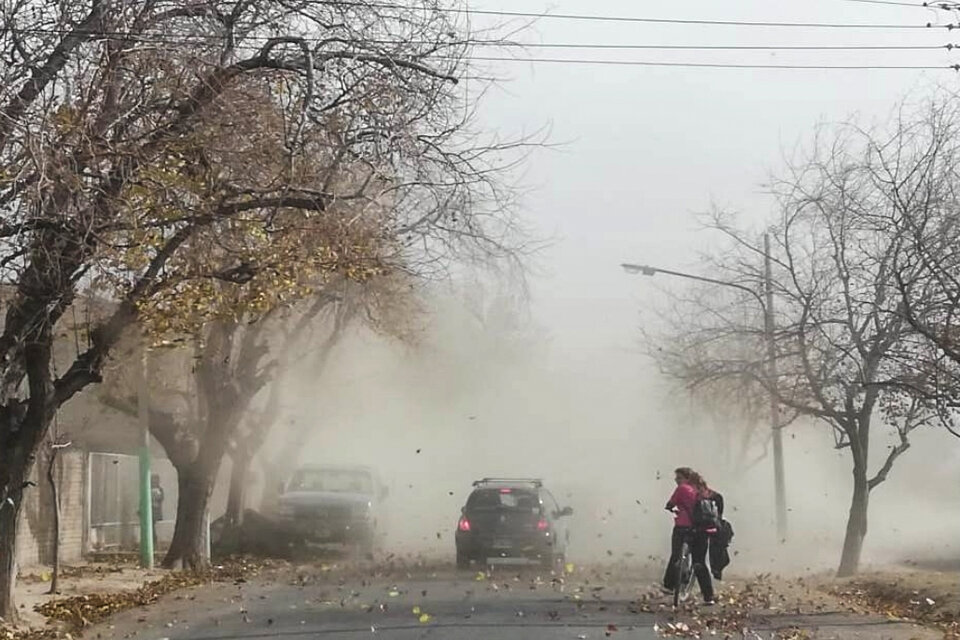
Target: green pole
<point>146,504</point>
<point>146,511</point>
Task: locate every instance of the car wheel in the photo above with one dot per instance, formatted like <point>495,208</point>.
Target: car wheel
<point>463,560</point>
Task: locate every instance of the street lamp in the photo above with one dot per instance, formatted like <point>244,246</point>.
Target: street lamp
<point>642,269</point>
<point>768,331</point>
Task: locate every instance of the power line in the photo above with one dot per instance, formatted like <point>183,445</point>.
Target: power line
<point>601,18</point>
<point>189,39</point>
<point>193,39</point>
<point>914,5</point>
<point>717,65</point>
<point>737,47</point>
<point>939,6</point>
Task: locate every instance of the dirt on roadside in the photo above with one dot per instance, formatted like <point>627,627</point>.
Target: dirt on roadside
<point>931,598</point>
<point>919,604</point>
<point>33,587</point>
<point>91,593</point>
<point>33,592</point>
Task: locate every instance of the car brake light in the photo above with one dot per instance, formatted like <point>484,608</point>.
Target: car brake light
<point>506,490</point>
<point>463,525</point>
<point>542,525</point>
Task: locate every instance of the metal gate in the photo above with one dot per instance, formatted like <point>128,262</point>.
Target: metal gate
<point>113,483</point>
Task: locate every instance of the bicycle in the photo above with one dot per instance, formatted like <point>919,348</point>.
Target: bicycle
<point>683,569</point>
<point>685,574</point>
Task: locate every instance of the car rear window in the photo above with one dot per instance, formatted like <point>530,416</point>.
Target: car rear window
<point>503,499</point>
<point>332,480</point>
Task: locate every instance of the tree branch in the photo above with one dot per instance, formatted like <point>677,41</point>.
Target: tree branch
<point>175,438</point>
<point>86,367</point>
<point>895,453</point>
<point>44,75</point>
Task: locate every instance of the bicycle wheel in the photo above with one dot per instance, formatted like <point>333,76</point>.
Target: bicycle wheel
<point>684,570</point>
<point>688,576</point>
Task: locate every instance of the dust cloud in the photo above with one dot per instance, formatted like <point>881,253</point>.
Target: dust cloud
<point>483,397</point>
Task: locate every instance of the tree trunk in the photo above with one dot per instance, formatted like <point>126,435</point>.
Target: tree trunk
<point>194,484</point>
<point>14,471</point>
<point>195,481</point>
<point>55,493</point>
<point>856,523</point>
<point>8,559</point>
<point>45,290</point>
<point>237,498</point>
<point>16,462</point>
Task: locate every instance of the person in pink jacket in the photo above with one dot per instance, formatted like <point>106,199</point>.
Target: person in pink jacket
<point>690,487</point>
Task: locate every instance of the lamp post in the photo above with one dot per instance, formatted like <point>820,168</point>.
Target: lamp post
<point>143,421</point>
<point>766,303</point>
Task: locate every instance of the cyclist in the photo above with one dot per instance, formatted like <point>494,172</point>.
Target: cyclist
<point>690,487</point>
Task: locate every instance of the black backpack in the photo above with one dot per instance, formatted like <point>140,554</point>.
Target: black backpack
<point>706,515</point>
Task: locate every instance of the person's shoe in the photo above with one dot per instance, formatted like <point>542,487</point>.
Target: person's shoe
<point>666,590</point>
<point>709,602</point>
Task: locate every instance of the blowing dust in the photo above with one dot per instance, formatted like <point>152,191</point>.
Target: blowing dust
<point>479,397</point>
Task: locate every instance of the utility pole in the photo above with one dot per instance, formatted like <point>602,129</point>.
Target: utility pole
<point>143,417</point>
<point>779,482</point>
<point>765,299</point>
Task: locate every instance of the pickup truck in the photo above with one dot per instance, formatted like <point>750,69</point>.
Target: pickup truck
<point>333,505</point>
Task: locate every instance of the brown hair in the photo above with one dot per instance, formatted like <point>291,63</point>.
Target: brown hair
<point>693,478</point>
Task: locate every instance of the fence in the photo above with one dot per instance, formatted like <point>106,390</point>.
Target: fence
<point>113,501</point>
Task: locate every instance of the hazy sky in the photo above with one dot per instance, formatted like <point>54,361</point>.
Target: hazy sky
<point>646,148</point>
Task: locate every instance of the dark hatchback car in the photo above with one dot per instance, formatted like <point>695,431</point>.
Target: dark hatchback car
<point>513,519</point>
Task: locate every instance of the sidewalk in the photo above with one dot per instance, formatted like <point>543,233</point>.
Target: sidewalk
<point>893,605</point>
<point>77,580</point>
<point>927,596</point>
<point>93,592</point>
<point>80,580</point>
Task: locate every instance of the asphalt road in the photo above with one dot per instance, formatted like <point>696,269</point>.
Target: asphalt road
<point>403,604</point>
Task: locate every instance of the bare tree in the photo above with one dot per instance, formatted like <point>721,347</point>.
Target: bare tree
<point>228,370</point>
<point>389,306</point>
<point>739,410</point>
<point>294,332</point>
<point>316,348</point>
<point>915,165</point>
<point>199,418</point>
<point>171,154</point>
<point>839,328</point>
<point>304,340</point>
<point>737,405</point>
